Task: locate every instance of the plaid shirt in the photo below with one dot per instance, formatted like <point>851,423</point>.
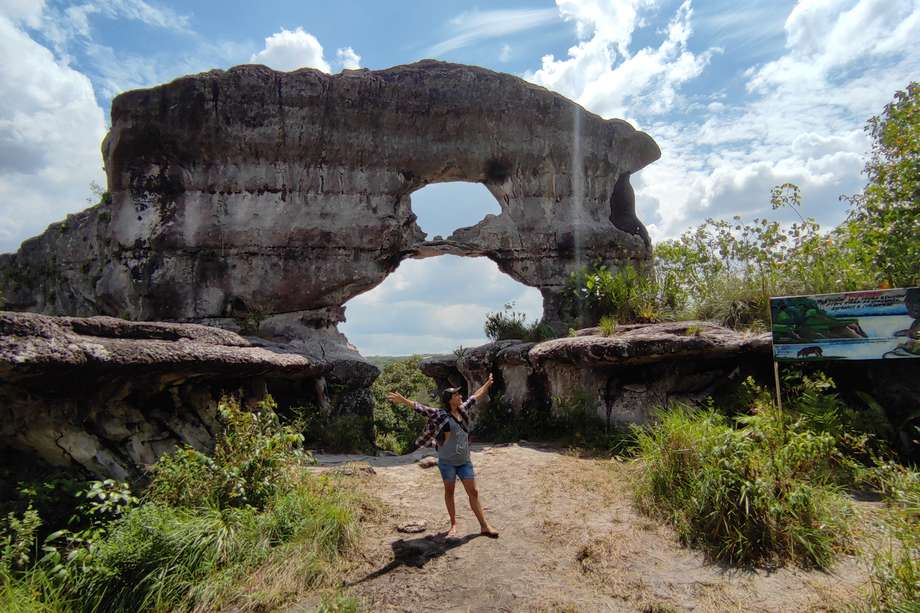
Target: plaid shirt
<point>437,419</point>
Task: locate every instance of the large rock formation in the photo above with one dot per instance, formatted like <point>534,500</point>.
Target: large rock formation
<point>108,395</point>
<point>263,200</point>
<point>260,202</point>
<point>625,377</point>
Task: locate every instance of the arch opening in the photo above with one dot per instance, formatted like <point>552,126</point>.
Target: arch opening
<point>443,208</point>
<point>434,305</point>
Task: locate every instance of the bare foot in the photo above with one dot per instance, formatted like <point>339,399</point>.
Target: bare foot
<point>489,531</point>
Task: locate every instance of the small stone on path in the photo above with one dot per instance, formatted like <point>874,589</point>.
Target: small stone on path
<point>413,527</point>
<point>428,462</point>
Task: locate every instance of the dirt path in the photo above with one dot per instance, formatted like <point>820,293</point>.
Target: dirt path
<point>570,541</point>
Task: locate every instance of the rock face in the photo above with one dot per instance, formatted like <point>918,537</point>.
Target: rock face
<point>625,377</point>
<point>109,396</point>
<point>262,200</point>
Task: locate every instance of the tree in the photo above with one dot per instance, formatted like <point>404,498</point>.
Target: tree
<point>885,217</point>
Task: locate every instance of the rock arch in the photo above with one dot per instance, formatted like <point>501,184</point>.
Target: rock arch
<point>250,195</point>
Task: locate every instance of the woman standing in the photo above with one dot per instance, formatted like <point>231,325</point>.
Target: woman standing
<point>448,430</point>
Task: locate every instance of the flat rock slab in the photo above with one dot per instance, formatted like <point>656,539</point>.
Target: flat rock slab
<point>647,343</point>
<point>34,346</point>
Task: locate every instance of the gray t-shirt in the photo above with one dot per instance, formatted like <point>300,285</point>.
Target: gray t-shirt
<point>456,449</point>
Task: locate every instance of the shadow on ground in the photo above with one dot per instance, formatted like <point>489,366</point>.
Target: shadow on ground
<point>416,553</point>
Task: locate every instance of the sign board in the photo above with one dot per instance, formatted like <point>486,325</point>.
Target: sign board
<point>871,325</point>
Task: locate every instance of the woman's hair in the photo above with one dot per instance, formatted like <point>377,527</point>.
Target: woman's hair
<point>446,395</point>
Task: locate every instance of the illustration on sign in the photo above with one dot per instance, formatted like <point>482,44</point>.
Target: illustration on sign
<point>878,324</point>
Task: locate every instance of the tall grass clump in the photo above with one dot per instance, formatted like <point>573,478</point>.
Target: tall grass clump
<point>163,557</point>
<point>759,490</point>
<point>512,325</point>
<point>895,581</point>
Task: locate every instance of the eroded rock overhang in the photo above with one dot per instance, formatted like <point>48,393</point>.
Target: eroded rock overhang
<point>250,194</point>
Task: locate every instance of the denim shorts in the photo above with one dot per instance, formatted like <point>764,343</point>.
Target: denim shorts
<point>449,472</point>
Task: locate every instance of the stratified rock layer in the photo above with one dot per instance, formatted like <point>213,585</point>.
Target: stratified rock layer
<point>244,195</point>
<point>109,396</point>
<point>623,377</point>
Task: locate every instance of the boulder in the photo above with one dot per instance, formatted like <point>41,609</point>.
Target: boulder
<point>108,396</point>
<point>623,377</point>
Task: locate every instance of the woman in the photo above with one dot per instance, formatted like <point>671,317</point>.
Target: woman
<point>450,427</point>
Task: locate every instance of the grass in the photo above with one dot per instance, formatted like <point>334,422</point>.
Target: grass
<point>757,493</point>
<point>247,527</point>
<point>161,557</point>
<point>895,583</point>
<point>608,326</point>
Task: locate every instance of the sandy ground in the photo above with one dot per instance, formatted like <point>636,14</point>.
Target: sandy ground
<point>570,541</point>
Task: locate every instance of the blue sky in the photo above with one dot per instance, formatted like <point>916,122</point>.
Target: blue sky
<point>740,96</point>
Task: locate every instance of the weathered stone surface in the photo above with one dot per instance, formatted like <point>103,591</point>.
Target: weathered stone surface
<point>625,376</point>
<point>249,194</point>
<point>646,343</point>
<point>109,396</point>
<point>443,369</point>
<point>41,346</point>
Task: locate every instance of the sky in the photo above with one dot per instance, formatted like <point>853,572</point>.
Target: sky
<point>740,96</point>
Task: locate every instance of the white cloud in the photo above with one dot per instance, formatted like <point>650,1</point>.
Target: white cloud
<point>504,54</point>
<point>348,59</point>
<point>50,131</point>
<point>471,27</point>
<point>290,50</point>
<point>611,22</point>
<point>648,79</point>
<point>61,25</point>
<point>826,37</point>
<point>28,12</point>
<point>434,305</point>
<point>799,118</point>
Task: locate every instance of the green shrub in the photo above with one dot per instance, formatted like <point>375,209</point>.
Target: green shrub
<point>512,325</point>
<point>396,426</point>
<point>250,463</point>
<point>334,433</point>
<point>572,421</point>
<point>497,422</point>
<point>757,493</point>
<point>18,540</point>
<point>627,295</point>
